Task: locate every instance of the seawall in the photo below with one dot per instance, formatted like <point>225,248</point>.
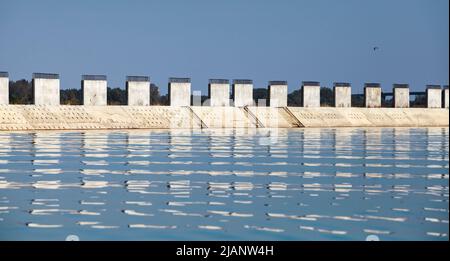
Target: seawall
<point>220,110</point>
<point>80,117</point>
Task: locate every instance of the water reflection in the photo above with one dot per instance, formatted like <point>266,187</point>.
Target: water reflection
<point>307,184</point>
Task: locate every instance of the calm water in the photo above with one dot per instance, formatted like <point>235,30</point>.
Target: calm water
<point>302,184</point>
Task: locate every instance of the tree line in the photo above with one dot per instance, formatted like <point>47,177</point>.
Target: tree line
<point>20,92</point>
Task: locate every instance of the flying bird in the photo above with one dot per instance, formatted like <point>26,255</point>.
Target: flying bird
<point>376,48</point>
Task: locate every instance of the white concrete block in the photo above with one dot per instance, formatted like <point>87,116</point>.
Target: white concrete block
<point>46,90</point>
<point>372,95</point>
<point>243,93</point>
<point>219,92</point>
<point>401,95</point>
<point>342,95</point>
<point>94,90</point>
<point>278,91</point>
<point>180,91</point>
<point>434,96</point>
<point>310,94</point>
<point>138,90</point>
<point>4,88</point>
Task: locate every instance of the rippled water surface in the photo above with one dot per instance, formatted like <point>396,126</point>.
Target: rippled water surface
<point>299,184</point>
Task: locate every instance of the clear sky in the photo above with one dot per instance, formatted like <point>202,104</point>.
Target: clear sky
<point>315,40</point>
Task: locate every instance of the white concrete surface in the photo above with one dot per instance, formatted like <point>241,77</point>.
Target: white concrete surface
<point>179,94</point>
<point>371,117</point>
<point>243,94</point>
<point>138,93</point>
<point>342,96</point>
<point>219,94</point>
<point>434,97</point>
<point>401,97</point>
<point>94,92</point>
<point>310,96</point>
<point>46,91</point>
<point>4,90</point>
<point>223,117</point>
<point>278,95</point>
<point>372,97</point>
<point>68,117</point>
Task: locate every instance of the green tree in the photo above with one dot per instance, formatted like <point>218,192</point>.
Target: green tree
<point>326,97</point>
<point>20,92</point>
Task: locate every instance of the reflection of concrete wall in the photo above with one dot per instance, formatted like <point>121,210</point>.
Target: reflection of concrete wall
<point>47,144</point>
<point>219,92</point>
<point>278,94</point>
<point>310,94</point>
<point>434,96</point>
<point>372,95</point>
<point>445,97</point>
<point>45,89</point>
<point>342,95</point>
<point>180,91</point>
<point>402,141</point>
<point>401,95</point>
<point>243,93</point>
<point>94,90</point>
<point>138,91</point>
<point>4,89</point>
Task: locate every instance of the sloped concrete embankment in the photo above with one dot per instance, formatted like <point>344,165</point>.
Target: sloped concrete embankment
<point>66,117</point>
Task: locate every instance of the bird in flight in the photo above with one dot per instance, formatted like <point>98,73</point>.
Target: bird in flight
<point>376,48</point>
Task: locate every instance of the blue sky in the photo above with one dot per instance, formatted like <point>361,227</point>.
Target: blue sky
<point>320,40</point>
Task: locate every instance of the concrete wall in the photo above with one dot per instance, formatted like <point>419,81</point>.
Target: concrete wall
<point>401,95</point>
<point>278,91</point>
<point>372,95</point>
<point>434,96</point>
<point>342,95</point>
<point>46,89</point>
<point>310,94</point>
<point>138,90</point>
<point>370,117</point>
<point>445,97</point>
<point>219,92</point>
<point>4,88</point>
<point>180,92</point>
<point>70,117</point>
<point>243,93</point>
<point>94,90</point>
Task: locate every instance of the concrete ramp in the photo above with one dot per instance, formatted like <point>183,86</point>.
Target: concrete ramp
<point>371,117</point>
<point>69,117</point>
<point>65,117</point>
<point>224,117</point>
<point>270,117</point>
<point>428,117</point>
<point>162,117</point>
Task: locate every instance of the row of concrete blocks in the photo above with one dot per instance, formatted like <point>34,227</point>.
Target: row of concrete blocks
<point>46,91</point>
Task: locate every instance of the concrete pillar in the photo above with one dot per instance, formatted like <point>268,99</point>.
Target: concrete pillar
<point>219,92</point>
<point>138,90</point>
<point>445,97</point>
<point>342,94</point>
<point>401,95</point>
<point>278,91</point>
<point>243,93</point>
<point>179,91</point>
<point>310,93</point>
<point>434,96</point>
<point>4,88</point>
<point>94,90</point>
<point>372,95</point>
<point>45,89</point>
